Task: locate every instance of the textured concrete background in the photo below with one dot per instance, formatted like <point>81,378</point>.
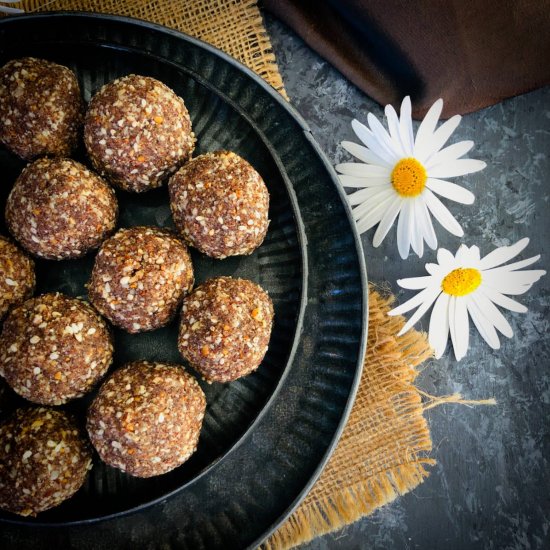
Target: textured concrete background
<point>491,485</point>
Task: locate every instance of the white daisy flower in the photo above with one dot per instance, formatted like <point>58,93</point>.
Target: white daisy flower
<point>402,176</point>
<point>467,284</point>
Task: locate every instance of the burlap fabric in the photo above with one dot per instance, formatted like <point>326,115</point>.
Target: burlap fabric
<point>384,449</point>
<point>235,27</point>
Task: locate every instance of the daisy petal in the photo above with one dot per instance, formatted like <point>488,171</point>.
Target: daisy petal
<point>431,297</point>
<point>364,154</point>
<point>370,140</point>
<point>461,328</point>
<point>462,256</point>
<point>415,301</point>
<point>381,133</point>
<point>432,144</point>
<point>380,201</point>
<point>415,283</point>
<point>404,230</point>
<point>439,325</point>
<point>450,153</point>
<point>505,288</point>
<point>458,167</point>
<point>493,314</point>
<point>484,327</point>
<point>373,216</point>
<point>514,282</point>
<point>363,170</point>
<point>503,301</point>
<point>441,213</point>
<point>434,269</point>
<point>365,195</point>
<point>428,124</point>
<point>360,183</point>
<point>393,127</point>
<point>387,222</point>
<point>426,222</point>
<point>452,328</point>
<point>474,251</point>
<point>405,126</point>
<point>515,266</point>
<point>445,258</point>
<point>366,223</point>
<point>417,233</point>
<point>502,254</point>
<point>450,191</point>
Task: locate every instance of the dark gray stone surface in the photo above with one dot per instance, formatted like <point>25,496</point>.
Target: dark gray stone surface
<point>491,485</point>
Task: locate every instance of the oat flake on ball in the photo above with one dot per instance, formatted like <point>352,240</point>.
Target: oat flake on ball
<point>17,278</point>
<point>225,328</point>
<point>146,418</point>
<point>220,204</point>
<point>54,348</point>
<point>44,460</point>
<point>58,209</point>
<point>41,108</point>
<point>139,278</point>
<point>137,132</point>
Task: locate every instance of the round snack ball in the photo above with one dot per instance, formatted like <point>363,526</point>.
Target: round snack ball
<point>220,204</point>
<point>41,108</point>
<point>17,278</point>
<point>225,328</point>
<point>58,209</point>
<point>137,132</point>
<point>146,418</point>
<point>140,277</point>
<point>44,460</point>
<point>54,348</point>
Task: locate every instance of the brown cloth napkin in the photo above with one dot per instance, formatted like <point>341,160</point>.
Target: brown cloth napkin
<point>472,53</point>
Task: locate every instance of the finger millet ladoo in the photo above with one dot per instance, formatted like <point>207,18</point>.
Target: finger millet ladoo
<point>225,328</point>
<point>146,418</point>
<point>54,348</point>
<point>41,108</point>
<point>220,204</point>
<point>140,277</point>
<point>17,277</point>
<point>58,209</point>
<point>137,132</point>
<point>44,460</point>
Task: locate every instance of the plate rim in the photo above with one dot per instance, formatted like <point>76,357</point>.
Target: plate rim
<point>293,112</point>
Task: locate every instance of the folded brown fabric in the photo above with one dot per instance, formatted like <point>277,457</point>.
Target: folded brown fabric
<point>472,53</point>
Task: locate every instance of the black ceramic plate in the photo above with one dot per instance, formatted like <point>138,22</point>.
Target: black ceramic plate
<point>266,437</point>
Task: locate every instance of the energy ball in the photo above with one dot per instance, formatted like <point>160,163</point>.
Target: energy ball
<point>58,209</point>
<point>54,348</point>
<point>44,460</point>
<point>137,132</point>
<point>220,204</point>
<point>140,277</point>
<point>225,328</point>
<point>41,108</point>
<point>17,278</point>
<point>146,418</point>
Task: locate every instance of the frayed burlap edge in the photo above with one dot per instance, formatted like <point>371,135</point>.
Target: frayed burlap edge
<point>383,451</point>
<point>351,504</point>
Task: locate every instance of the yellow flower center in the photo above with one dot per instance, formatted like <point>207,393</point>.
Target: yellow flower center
<point>461,281</point>
<point>408,177</point>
